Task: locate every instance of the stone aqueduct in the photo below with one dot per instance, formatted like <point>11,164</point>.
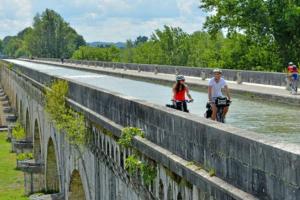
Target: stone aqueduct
<point>244,168</point>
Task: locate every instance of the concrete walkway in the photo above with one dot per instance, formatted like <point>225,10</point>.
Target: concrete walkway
<point>266,92</point>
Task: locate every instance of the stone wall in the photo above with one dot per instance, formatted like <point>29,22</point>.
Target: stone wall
<point>267,78</point>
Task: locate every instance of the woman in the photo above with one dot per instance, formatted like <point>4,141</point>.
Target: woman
<point>180,90</point>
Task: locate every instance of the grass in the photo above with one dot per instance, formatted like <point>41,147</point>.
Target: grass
<point>11,180</point>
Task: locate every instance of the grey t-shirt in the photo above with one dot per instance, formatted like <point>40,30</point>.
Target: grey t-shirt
<point>217,87</point>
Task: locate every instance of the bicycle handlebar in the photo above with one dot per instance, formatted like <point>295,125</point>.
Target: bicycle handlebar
<point>187,101</point>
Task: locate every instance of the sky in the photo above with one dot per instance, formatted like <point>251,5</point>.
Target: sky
<point>105,20</point>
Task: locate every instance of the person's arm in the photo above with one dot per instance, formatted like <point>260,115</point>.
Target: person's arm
<point>188,93</point>
<point>209,93</point>
<point>227,92</point>
<point>174,93</point>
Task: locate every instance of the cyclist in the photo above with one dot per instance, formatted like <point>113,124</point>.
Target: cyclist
<point>180,91</point>
<point>215,86</point>
<point>289,73</point>
<point>294,79</point>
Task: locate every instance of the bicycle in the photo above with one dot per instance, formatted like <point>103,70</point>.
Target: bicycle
<point>221,103</point>
<point>294,84</point>
<point>179,105</point>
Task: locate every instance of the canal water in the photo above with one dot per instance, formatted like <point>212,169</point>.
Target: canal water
<point>277,120</point>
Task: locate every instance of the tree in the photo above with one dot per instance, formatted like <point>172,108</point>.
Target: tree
<point>140,40</point>
<point>173,43</point>
<point>52,36</point>
<point>12,45</point>
<point>276,22</point>
<point>1,46</point>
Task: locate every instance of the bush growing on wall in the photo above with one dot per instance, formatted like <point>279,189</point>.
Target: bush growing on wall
<point>64,117</point>
<point>18,132</point>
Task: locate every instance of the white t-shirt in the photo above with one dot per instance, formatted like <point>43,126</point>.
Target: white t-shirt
<point>217,87</point>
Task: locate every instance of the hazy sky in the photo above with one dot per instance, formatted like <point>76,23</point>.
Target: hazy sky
<point>105,20</point>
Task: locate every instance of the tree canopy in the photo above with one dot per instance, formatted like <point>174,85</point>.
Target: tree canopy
<point>1,46</point>
<point>270,23</point>
<point>172,46</point>
<point>50,36</point>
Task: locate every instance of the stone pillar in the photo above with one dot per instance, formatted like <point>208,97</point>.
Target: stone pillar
<point>155,70</point>
<point>203,75</point>
<point>239,78</point>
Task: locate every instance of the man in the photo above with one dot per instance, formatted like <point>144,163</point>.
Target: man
<point>215,86</point>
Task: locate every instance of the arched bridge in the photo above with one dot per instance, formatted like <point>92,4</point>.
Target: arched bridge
<point>193,158</point>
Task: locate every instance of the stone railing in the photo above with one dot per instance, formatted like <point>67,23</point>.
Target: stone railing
<point>267,78</point>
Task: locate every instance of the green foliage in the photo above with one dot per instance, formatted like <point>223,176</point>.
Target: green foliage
<point>149,173</point>
<point>18,132</point>
<point>11,180</point>
<point>12,46</point>
<point>212,172</point>
<point>50,37</point>
<point>172,46</point>
<point>1,46</point>
<point>10,66</point>
<point>25,156</point>
<point>273,23</point>
<point>66,119</point>
<point>93,53</point>
<point>134,165</point>
<point>127,134</point>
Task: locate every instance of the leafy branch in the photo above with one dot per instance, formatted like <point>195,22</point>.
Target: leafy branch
<point>18,132</point>
<point>65,118</point>
<point>127,135</point>
<point>133,164</point>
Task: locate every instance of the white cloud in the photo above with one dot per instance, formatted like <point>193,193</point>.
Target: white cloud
<point>186,14</point>
<point>15,15</point>
<point>106,20</point>
<point>186,7</point>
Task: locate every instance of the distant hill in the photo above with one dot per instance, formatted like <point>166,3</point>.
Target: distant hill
<point>101,44</point>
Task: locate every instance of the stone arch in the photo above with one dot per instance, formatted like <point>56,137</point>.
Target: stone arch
<point>161,190</point>
<point>27,126</point>
<point>52,177</point>
<point>179,196</point>
<point>170,193</point>
<point>37,151</point>
<point>76,191</point>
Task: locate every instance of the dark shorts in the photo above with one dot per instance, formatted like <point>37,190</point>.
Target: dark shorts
<point>182,106</point>
<point>295,76</point>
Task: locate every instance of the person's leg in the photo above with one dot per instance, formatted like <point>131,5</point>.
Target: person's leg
<point>214,111</point>
<point>178,105</point>
<point>185,107</point>
<point>225,111</point>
